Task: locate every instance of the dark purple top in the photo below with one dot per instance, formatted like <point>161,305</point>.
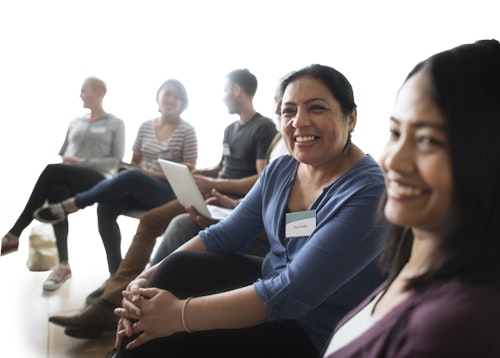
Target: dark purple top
<point>450,319</point>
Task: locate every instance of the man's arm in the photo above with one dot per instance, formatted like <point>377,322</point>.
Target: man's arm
<point>209,172</point>
<point>239,187</point>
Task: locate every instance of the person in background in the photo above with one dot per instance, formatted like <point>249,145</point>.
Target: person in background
<point>442,169</point>
<point>92,150</point>
<point>143,186</point>
<point>317,207</point>
<point>185,226</point>
<point>246,142</point>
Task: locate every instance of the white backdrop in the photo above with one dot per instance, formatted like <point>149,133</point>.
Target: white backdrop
<point>48,48</point>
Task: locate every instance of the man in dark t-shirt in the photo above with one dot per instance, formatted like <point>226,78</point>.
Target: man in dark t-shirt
<point>244,145</point>
<point>246,141</point>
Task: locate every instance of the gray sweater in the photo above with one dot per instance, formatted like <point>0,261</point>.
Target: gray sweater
<point>99,145</point>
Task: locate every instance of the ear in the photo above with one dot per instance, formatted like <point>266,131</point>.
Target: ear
<point>352,119</point>
<point>237,90</point>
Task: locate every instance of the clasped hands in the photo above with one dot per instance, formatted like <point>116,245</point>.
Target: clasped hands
<point>148,313</point>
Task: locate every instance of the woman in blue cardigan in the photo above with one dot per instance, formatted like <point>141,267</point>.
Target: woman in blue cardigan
<point>317,207</point>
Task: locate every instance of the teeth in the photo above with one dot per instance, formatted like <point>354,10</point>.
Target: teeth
<point>404,190</point>
<point>305,139</point>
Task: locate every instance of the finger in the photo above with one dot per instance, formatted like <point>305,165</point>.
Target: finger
<point>128,311</point>
<point>204,222</point>
<point>133,308</point>
<point>135,327</point>
<point>141,339</point>
<point>192,212</point>
<point>149,293</point>
<point>212,200</point>
<point>120,333</point>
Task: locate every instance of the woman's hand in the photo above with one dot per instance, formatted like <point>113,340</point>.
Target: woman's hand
<point>216,199</point>
<point>71,160</point>
<point>160,316</point>
<point>222,200</point>
<point>130,311</point>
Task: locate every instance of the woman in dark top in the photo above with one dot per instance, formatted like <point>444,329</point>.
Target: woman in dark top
<point>442,170</point>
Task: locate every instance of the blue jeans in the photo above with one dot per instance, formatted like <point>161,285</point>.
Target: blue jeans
<point>130,189</point>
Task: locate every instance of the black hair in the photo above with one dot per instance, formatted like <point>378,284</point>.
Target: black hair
<point>245,79</point>
<point>465,85</point>
<point>336,82</point>
<point>182,92</point>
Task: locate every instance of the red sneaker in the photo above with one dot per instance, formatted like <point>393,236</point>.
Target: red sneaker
<point>10,244</point>
<point>60,275</point>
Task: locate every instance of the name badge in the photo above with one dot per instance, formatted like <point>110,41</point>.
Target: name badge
<point>301,223</point>
<point>98,130</point>
<point>226,150</point>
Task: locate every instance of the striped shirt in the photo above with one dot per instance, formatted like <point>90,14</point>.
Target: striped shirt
<point>181,146</point>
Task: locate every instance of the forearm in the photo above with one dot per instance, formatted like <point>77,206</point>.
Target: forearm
<point>238,187</point>
<point>234,309</point>
<point>209,172</point>
<point>153,174</point>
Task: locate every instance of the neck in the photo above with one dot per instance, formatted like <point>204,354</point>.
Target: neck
<point>96,113</point>
<point>168,119</point>
<point>424,244</point>
<point>327,172</point>
<point>246,114</point>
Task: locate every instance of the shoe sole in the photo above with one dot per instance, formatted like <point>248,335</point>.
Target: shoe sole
<point>52,289</point>
<point>90,329</point>
<point>84,333</point>
<point>9,251</point>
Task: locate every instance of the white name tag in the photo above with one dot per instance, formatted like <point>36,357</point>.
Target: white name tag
<point>226,150</point>
<point>301,223</point>
<point>98,130</point>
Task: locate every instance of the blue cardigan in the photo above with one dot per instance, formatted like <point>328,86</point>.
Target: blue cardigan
<point>316,279</point>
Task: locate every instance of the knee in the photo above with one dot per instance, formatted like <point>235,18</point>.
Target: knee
<point>107,210</point>
<point>176,261</point>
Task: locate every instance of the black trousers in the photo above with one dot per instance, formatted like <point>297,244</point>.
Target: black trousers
<point>194,274</point>
<point>56,183</point>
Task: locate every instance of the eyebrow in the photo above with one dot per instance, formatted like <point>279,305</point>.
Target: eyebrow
<point>309,101</point>
<point>423,124</point>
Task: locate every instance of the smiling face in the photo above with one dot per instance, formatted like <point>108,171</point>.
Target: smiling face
<point>170,100</point>
<point>314,128</point>
<point>416,160</point>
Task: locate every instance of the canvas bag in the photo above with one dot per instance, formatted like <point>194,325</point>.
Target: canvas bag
<point>42,254</point>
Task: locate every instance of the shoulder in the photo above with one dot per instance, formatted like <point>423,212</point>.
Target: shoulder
<point>114,122</point>
<point>454,313</point>
<point>112,118</point>
<point>365,175</point>
<point>261,121</point>
<point>281,167</point>
<point>456,300</point>
<point>186,126</point>
<point>147,124</point>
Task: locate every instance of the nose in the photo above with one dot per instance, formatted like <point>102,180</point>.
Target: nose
<point>301,119</point>
<point>398,156</point>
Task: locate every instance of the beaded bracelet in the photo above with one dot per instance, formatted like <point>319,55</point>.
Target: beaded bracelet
<point>183,318</point>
